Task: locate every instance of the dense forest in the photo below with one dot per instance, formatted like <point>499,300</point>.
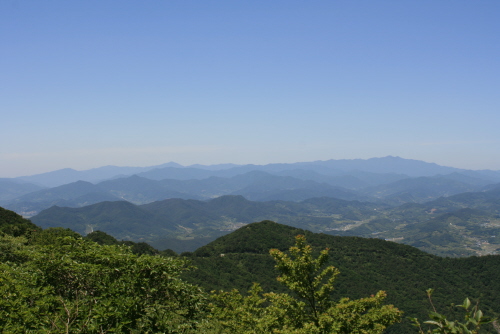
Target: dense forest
<point>55,281</point>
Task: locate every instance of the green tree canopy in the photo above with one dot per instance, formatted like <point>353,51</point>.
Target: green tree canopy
<point>75,286</point>
<point>311,310</point>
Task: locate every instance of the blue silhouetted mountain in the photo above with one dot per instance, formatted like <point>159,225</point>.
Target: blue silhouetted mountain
<point>68,175</point>
<point>74,194</point>
<point>390,180</point>
<point>141,190</point>
<point>12,188</point>
<point>395,166</point>
<point>420,189</point>
<point>267,187</point>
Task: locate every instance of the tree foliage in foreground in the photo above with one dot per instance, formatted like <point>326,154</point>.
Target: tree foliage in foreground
<point>54,281</point>
<point>473,320</point>
<point>76,286</point>
<point>310,308</point>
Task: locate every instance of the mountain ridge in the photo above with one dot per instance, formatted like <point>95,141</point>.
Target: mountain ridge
<point>333,167</point>
<point>362,179</point>
<point>424,225</point>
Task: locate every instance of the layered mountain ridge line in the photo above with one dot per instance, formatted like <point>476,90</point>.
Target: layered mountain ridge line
<point>254,185</point>
<point>390,198</point>
<point>459,225</point>
<point>389,165</point>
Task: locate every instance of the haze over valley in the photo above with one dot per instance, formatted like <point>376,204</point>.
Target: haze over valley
<point>442,210</point>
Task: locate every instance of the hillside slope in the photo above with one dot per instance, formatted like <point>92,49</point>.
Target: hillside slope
<point>242,257</point>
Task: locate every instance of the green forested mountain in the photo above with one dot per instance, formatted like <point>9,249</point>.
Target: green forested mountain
<point>13,224</point>
<point>366,266</point>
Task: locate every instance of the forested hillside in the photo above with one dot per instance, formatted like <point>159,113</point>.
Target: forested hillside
<point>54,280</point>
<point>366,266</point>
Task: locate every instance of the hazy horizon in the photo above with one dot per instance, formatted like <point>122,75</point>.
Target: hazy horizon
<point>96,83</point>
<point>189,165</point>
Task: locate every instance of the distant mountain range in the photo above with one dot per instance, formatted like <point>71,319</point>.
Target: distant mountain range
<point>392,180</point>
<point>443,210</point>
<point>330,168</point>
<point>254,185</point>
<point>13,188</point>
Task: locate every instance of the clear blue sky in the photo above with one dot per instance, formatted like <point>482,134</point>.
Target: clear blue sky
<point>136,83</point>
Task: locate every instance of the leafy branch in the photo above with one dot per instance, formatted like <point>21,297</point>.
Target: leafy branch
<point>473,319</point>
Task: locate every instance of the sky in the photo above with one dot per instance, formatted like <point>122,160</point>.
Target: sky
<point>85,84</point>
